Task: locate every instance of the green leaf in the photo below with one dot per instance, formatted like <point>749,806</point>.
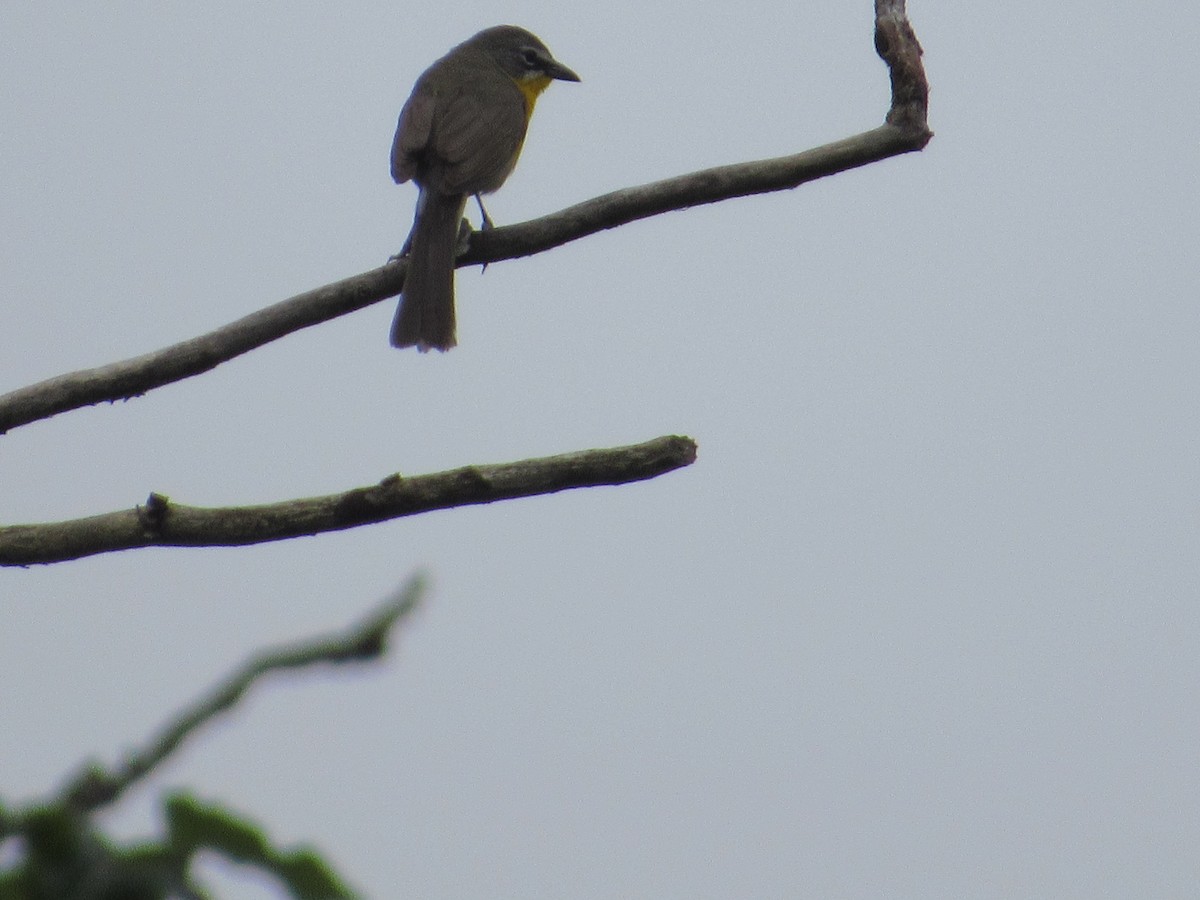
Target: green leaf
<point>310,878</point>
<point>194,825</point>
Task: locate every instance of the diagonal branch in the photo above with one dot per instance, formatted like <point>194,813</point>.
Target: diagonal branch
<point>685,191</point>
<point>161,523</point>
<point>905,131</point>
<point>134,377</point>
<point>95,787</point>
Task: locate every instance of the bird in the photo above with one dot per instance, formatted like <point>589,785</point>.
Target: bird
<point>459,135</point>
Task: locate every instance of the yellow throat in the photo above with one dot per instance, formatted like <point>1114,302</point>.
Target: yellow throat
<point>532,86</point>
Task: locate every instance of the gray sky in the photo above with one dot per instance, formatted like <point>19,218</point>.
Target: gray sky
<point>921,621</point>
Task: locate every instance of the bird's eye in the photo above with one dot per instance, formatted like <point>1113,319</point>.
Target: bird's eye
<point>531,58</point>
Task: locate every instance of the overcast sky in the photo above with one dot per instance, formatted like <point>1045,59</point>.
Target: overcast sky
<point>922,619</point>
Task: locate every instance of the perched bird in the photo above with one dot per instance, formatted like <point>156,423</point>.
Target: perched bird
<point>459,135</point>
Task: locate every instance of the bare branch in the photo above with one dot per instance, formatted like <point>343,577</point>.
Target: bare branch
<point>684,191</point>
<point>134,377</point>
<point>897,44</point>
<point>161,523</point>
<point>904,132</point>
<point>366,641</point>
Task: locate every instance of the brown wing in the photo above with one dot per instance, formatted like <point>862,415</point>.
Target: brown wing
<point>477,133</point>
<point>412,133</point>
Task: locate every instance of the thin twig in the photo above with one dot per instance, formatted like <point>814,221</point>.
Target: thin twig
<point>363,642</point>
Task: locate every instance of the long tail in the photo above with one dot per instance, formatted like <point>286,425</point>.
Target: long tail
<point>425,317</point>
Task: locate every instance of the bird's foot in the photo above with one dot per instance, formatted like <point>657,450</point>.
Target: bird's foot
<point>403,250</point>
<point>486,223</point>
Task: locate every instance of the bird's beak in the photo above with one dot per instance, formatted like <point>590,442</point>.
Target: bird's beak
<point>555,69</point>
